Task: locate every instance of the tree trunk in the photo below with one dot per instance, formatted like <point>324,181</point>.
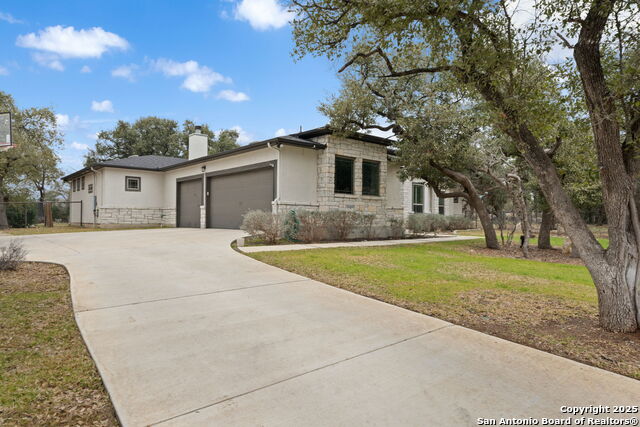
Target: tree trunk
<point>544,236</point>
<point>475,201</point>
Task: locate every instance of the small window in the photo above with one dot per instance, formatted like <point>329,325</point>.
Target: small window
<point>370,178</point>
<point>344,175</point>
<point>90,188</point>
<point>82,181</point>
<point>418,198</point>
<point>132,183</point>
<point>75,185</point>
<point>455,200</point>
<point>441,205</point>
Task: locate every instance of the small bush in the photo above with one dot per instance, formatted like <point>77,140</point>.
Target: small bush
<point>21,215</point>
<point>459,222</point>
<point>312,225</point>
<point>366,220</point>
<point>341,223</point>
<point>291,226</point>
<point>12,255</point>
<point>263,224</point>
<point>427,223</point>
<point>396,227</point>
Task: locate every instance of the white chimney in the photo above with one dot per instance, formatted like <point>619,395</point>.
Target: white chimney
<point>198,144</point>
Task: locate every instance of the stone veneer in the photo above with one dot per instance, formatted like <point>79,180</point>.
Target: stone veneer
<point>327,198</point>
<point>136,216</point>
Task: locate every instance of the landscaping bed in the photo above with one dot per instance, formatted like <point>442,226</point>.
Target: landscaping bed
<point>551,306</point>
<point>48,377</point>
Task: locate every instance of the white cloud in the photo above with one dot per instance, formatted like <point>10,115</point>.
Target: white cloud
<point>85,69</point>
<point>48,60</point>
<point>7,17</point>
<point>281,132</point>
<point>105,106</point>
<point>3,71</point>
<point>67,42</point>
<point>93,136</point>
<point>244,137</point>
<point>63,120</point>
<point>233,96</point>
<point>126,72</point>
<point>263,14</point>
<point>198,78</point>
<point>79,146</point>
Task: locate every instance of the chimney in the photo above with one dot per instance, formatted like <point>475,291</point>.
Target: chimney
<point>198,144</point>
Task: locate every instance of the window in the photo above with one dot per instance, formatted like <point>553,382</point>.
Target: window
<point>441,205</point>
<point>90,188</point>
<point>132,183</point>
<point>344,175</point>
<point>75,185</point>
<point>370,178</point>
<point>82,181</point>
<point>418,198</point>
<point>455,200</point>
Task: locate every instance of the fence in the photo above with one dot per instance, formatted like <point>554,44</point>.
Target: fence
<point>28,214</point>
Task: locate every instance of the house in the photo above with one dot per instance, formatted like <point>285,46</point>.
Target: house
<point>311,170</point>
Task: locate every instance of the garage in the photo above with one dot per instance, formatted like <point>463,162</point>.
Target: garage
<point>231,195</point>
<point>189,200</point>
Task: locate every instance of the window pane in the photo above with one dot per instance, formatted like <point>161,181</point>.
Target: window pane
<point>418,194</point>
<point>132,183</point>
<point>344,175</point>
<point>370,178</point>
<point>417,208</point>
<point>441,206</point>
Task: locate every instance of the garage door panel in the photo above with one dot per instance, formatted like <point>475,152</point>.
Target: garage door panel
<point>231,196</point>
<point>189,201</point>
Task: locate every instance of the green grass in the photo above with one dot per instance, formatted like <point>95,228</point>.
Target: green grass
<point>550,306</point>
<point>46,374</point>
<point>556,241</point>
<point>436,272</point>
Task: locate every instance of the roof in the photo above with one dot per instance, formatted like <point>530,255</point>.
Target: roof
<point>163,163</point>
<point>151,162</point>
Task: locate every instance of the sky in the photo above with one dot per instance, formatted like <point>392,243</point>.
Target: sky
<point>222,62</point>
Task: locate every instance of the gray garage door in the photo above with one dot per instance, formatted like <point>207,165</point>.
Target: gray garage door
<point>189,201</point>
<point>231,196</point>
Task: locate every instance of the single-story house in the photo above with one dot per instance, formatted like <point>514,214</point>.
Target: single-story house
<point>311,170</point>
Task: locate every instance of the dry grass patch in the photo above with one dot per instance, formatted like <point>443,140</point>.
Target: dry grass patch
<point>48,377</point>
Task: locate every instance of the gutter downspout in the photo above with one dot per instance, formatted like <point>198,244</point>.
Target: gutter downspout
<point>276,201</point>
<point>95,196</point>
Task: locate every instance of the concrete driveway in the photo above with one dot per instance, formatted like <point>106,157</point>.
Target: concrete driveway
<point>185,331</point>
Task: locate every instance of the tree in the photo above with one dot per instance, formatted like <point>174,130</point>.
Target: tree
<point>501,64</point>
<point>32,159</point>
<point>435,137</point>
<point>154,135</point>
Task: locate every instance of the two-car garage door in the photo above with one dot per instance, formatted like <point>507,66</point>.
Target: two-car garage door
<point>230,195</point>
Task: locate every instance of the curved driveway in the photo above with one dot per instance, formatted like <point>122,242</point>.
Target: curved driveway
<point>185,331</point>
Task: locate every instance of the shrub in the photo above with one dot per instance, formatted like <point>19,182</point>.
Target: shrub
<point>12,255</point>
<point>367,223</point>
<point>21,215</point>
<point>396,227</point>
<point>291,226</point>
<point>341,223</point>
<point>312,225</point>
<point>263,224</point>
<point>421,223</point>
<point>459,222</point>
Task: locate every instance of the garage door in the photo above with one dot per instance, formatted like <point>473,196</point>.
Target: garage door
<point>231,196</point>
<point>189,201</point>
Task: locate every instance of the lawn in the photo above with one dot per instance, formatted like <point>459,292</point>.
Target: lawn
<point>63,228</point>
<point>550,306</point>
<point>47,376</point>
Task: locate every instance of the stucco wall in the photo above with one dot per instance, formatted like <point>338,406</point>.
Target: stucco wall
<point>430,200</point>
<point>298,175</point>
<point>114,195</point>
<point>86,198</point>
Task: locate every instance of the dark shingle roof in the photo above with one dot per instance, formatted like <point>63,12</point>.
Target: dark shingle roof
<point>152,162</point>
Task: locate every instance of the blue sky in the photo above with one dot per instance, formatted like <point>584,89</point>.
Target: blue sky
<point>225,63</point>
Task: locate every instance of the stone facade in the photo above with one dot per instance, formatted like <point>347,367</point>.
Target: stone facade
<point>136,216</point>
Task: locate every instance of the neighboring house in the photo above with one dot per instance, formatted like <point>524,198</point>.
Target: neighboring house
<point>311,170</point>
